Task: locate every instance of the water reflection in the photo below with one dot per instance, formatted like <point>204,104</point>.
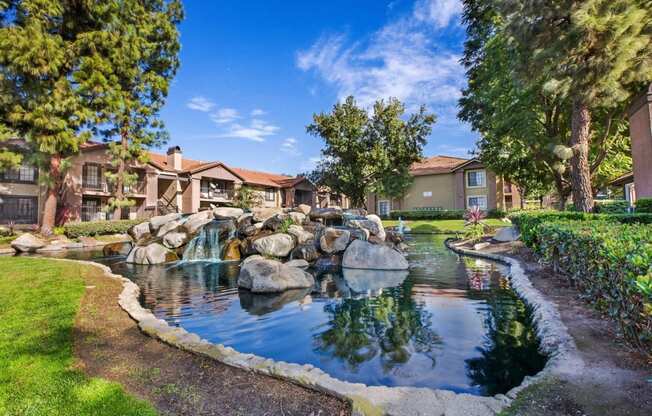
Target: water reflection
<point>451,322</point>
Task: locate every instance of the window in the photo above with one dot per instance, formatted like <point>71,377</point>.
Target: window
<point>270,194</point>
<point>91,176</point>
<point>383,208</point>
<point>25,173</point>
<point>427,194</point>
<point>476,179</point>
<point>19,209</point>
<point>204,187</point>
<point>476,201</point>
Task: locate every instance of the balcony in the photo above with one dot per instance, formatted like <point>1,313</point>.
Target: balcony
<point>218,194</point>
<point>104,187</point>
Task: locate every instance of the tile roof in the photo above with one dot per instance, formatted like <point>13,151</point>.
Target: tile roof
<point>160,161</point>
<point>436,165</point>
<point>262,178</point>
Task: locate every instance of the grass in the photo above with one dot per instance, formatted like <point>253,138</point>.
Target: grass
<point>5,241</point>
<point>39,300</point>
<point>441,226</point>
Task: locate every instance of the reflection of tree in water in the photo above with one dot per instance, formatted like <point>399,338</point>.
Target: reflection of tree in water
<point>389,325</point>
<point>511,348</point>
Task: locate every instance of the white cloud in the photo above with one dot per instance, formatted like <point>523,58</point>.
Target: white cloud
<point>257,112</point>
<point>450,150</point>
<point>257,131</point>
<point>200,103</point>
<point>440,13</point>
<point>225,115</point>
<point>401,60</point>
<point>309,164</point>
<point>290,147</point>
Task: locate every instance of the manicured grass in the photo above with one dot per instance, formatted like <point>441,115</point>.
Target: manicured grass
<point>39,299</point>
<point>441,226</point>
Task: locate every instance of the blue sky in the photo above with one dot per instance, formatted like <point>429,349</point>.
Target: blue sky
<point>253,73</point>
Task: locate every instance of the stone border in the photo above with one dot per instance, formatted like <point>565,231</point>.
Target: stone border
<point>373,400</point>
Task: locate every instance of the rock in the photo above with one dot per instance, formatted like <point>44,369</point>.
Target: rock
<point>27,243</point>
<point>261,214</point>
<point>334,240</point>
<point>175,239</point>
<point>507,234</point>
<point>298,217</point>
<point>263,303</point>
<point>300,263</point>
<point>304,209</point>
<point>89,242</point>
<point>326,213</point>
<point>359,234</point>
<point>307,252</point>
<point>5,231</point>
<point>381,230</point>
<point>116,249</point>
<point>275,245</point>
<point>358,212</point>
<point>245,219</point>
<point>480,246</point>
<point>169,227</point>
<point>269,276</point>
<point>331,263</point>
<point>157,222</point>
<point>364,255</point>
<point>140,231</point>
<point>368,225</point>
<point>247,230</point>
<point>157,254</point>
<point>393,237</point>
<point>247,245</point>
<point>275,222</point>
<point>73,245</point>
<point>226,213</point>
<point>313,227</point>
<point>300,234</point>
<point>232,250</point>
<point>193,226</point>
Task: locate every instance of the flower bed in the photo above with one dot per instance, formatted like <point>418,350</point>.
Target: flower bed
<point>607,257</point>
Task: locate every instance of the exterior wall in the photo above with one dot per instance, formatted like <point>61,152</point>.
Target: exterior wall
<point>260,190</point>
<point>438,187</point>
<point>640,127</point>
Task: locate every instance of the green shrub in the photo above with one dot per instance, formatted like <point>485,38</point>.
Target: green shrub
<point>496,213</point>
<point>644,205</point>
<point>605,258</point>
<point>93,228</point>
<point>428,214</point>
<point>611,206</point>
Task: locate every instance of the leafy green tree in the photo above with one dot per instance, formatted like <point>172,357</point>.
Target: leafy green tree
<point>594,53</point>
<point>39,54</point>
<point>366,153</point>
<point>124,77</point>
<point>246,197</point>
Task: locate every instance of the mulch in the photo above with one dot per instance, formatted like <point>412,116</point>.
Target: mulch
<point>108,344</point>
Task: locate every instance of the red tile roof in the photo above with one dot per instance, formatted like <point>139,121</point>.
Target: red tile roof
<point>436,165</point>
<point>262,178</point>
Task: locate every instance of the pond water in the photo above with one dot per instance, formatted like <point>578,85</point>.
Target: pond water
<point>451,322</point>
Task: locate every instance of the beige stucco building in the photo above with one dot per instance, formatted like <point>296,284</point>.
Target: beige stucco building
<point>166,183</point>
<point>446,183</point>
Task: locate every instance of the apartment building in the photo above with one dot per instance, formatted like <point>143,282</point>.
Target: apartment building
<point>445,182</point>
<point>166,183</point>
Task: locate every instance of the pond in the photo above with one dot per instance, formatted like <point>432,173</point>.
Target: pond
<point>452,322</point>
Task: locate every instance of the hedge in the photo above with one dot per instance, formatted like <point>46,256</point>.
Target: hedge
<point>608,261</point>
<point>440,214</point>
<point>644,205</point>
<point>93,228</point>
<point>611,206</point>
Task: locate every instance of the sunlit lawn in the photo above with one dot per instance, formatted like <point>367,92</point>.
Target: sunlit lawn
<point>39,299</point>
<point>441,226</point>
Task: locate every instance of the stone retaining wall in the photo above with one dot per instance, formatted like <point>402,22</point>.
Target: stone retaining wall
<point>376,400</point>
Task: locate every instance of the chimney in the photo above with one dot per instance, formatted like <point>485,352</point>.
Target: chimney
<point>174,157</point>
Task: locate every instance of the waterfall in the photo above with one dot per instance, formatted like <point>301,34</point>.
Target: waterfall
<point>206,244</point>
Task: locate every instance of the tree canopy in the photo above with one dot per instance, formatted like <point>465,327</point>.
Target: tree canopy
<point>369,151</point>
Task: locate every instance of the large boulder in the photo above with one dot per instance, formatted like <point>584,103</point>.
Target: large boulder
<point>307,252</point>
<point>226,213</point>
<point>297,217</point>
<point>27,243</point>
<point>370,226</point>
<point>260,214</point>
<point>326,213</point>
<point>152,254</point>
<point>364,255</point>
<point>381,230</point>
<point>140,231</point>
<point>157,222</point>
<point>507,234</point>
<point>334,240</point>
<point>169,227</point>
<point>196,221</point>
<point>300,234</point>
<point>232,250</point>
<point>275,245</point>
<point>300,263</point>
<point>304,209</point>
<point>175,239</point>
<point>268,276</point>
<point>275,222</point>
<point>119,248</point>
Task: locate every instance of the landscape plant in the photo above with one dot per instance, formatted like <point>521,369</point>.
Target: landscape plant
<point>95,228</point>
<point>474,227</point>
<point>644,205</point>
<point>246,198</point>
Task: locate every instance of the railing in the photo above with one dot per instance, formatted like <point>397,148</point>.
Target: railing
<point>93,212</point>
<point>136,188</point>
<point>224,194</point>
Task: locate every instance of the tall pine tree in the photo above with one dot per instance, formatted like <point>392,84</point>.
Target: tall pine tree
<point>593,52</point>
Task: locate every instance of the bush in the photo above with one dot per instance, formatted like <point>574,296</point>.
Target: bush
<point>440,214</point>
<point>644,205</point>
<point>611,206</point>
<point>609,262</point>
<point>93,228</point>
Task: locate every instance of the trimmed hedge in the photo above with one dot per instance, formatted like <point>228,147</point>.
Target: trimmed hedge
<point>440,214</point>
<point>610,263</point>
<point>93,228</point>
<point>644,205</point>
<point>611,206</point>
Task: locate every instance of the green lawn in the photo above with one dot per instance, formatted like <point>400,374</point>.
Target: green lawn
<point>441,226</point>
<point>39,299</point>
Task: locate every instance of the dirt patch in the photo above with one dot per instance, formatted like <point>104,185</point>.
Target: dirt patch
<point>108,344</point>
<point>617,380</point>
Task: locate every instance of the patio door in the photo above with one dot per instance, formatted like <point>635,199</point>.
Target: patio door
<point>383,208</point>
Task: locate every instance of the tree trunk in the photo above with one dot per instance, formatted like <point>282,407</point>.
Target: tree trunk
<point>50,205</point>
<point>521,194</point>
<point>119,179</point>
<point>562,192</point>
<point>580,168</point>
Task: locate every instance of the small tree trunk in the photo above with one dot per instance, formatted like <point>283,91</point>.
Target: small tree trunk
<point>50,205</point>
<point>119,182</point>
<point>562,192</point>
<point>521,194</point>
<point>580,168</point>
